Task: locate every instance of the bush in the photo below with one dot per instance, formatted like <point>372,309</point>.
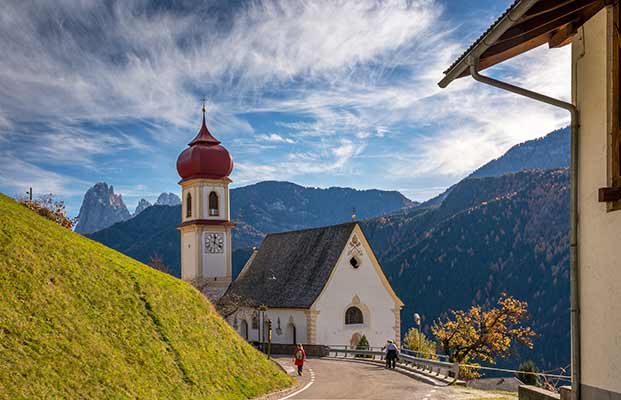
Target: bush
<point>528,379</point>
<point>46,206</point>
<point>363,344</point>
<point>417,341</point>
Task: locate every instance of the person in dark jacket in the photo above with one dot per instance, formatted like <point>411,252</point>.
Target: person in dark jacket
<point>299,355</point>
<point>391,354</point>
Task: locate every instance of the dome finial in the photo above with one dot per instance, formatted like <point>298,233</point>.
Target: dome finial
<point>203,99</point>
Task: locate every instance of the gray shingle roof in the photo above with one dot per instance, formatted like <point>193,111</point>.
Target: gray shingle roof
<point>290,268</point>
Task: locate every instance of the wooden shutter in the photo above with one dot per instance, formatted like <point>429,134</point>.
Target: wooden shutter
<point>612,194</point>
<point>615,162</point>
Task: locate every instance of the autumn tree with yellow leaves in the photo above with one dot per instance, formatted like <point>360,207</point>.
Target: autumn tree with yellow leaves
<point>484,335</point>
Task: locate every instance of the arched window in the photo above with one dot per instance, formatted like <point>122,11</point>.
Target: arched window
<point>353,315</point>
<point>188,206</point>
<point>213,204</point>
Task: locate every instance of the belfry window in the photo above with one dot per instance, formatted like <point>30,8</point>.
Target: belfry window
<point>213,204</point>
<point>188,206</point>
<point>353,315</point>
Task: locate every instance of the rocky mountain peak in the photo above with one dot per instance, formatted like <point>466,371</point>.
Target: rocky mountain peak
<point>168,199</point>
<point>142,205</point>
<point>100,209</point>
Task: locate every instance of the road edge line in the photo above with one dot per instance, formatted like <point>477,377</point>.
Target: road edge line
<point>303,389</point>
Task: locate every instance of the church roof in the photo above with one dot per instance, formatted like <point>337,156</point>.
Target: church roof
<point>290,269</point>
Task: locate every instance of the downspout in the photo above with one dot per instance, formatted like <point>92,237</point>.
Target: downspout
<point>573,212</point>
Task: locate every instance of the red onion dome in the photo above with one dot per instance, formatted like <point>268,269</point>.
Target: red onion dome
<point>205,158</point>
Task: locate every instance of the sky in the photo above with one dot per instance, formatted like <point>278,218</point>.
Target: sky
<point>320,93</point>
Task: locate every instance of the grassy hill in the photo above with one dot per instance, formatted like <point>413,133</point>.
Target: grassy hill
<point>79,320</point>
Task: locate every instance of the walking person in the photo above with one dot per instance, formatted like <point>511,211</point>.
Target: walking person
<point>298,358</point>
<point>391,355</point>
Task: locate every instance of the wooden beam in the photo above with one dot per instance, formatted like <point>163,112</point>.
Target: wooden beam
<point>510,53</point>
<point>544,30</point>
<point>609,194</point>
<point>562,36</point>
<point>544,6</point>
<point>561,13</point>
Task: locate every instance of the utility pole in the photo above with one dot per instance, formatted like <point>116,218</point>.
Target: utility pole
<point>269,338</point>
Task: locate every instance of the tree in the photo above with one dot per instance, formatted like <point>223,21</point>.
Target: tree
<point>47,206</point>
<point>483,335</point>
<point>156,261</point>
<point>417,341</point>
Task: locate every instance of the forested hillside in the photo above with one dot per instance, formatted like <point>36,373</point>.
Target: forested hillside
<point>490,235</point>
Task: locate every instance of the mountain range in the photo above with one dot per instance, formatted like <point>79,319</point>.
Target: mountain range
<point>101,208</point>
<point>257,210</point>
<point>502,229</point>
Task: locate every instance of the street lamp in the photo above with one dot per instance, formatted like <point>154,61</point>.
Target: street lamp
<point>417,322</point>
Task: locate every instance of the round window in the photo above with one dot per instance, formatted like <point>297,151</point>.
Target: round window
<point>354,262</point>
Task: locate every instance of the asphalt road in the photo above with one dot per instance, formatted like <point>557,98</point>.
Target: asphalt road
<point>339,379</point>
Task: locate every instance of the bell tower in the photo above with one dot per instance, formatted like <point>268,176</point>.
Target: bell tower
<point>204,168</point>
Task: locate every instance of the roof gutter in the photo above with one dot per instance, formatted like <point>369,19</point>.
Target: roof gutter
<point>488,40</point>
<point>473,62</point>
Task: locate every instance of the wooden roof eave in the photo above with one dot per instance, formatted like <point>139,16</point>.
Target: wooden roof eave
<point>528,24</point>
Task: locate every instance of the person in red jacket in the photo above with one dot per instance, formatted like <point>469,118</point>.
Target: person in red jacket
<point>298,358</point>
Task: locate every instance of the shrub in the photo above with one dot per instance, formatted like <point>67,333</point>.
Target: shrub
<point>528,378</point>
<point>46,206</point>
<point>417,341</point>
<point>363,344</point>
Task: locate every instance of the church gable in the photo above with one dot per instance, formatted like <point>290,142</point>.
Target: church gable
<point>359,271</point>
<point>357,299</point>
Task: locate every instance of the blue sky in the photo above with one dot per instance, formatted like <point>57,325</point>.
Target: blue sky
<point>320,93</point>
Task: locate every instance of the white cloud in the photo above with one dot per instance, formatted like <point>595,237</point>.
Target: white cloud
<point>18,175</point>
<point>352,72</point>
<point>274,137</point>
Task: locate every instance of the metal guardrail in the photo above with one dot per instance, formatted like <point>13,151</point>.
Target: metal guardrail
<point>437,367</point>
<point>436,364</point>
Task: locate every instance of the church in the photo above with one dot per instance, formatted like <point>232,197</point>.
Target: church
<point>318,286</point>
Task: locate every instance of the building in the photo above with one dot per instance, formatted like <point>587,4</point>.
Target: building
<point>319,286</point>
<point>204,168</point>
<point>591,27</point>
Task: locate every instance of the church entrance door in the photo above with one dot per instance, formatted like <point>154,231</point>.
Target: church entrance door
<point>292,334</point>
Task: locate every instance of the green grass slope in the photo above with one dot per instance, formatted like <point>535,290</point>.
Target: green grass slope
<point>79,320</point>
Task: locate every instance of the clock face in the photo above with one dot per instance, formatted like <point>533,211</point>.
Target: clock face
<point>214,242</point>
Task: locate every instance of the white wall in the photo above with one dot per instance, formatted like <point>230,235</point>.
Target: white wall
<point>345,284</point>
<point>599,230</point>
<point>284,336</point>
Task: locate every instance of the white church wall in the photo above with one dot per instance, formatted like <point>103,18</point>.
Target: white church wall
<point>362,287</point>
<point>289,318</point>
